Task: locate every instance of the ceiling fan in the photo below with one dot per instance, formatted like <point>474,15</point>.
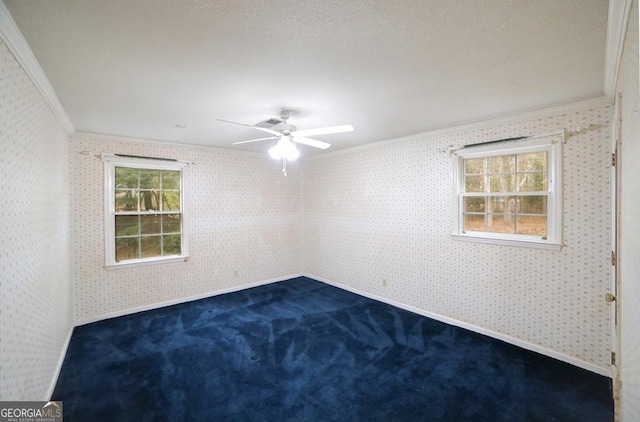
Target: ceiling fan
<point>287,134</point>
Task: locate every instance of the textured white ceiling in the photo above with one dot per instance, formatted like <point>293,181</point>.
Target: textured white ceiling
<point>138,68</point>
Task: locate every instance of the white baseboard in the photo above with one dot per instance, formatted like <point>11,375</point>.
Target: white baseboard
<point>182,300</point>
<point>56,374</point>
<point>607,372</point>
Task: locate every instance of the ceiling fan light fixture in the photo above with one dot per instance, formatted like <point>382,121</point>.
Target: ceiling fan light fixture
<point>284,149</point>
<point>287,135</point>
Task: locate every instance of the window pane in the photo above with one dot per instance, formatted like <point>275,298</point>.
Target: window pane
<point>475,166</point>
<point>474,222</point>
<point>532,182</point>
<point>127,248</point>
<point>502,164</point>
<point>536,161</point>
<point>151,246</point>
<point>126,178</point>
<point>532,225</point>
<point>474,204</point>
<point>146,221</point>
<point>474,183</point>
<point>126,200</point>
<point>503,204</point>
<point>171,201</point>
<point>532,205</point>
<point>497,204</point>
<point>150,224</point>
<point>501,223</point>
<point>172,245</point>
<point>504,193</point>
<point>149,179</point>
<point>127,225</point>
<point>149,200</point>
<point>502,183</point>
<point>170,179</point>
<point>171,223</point>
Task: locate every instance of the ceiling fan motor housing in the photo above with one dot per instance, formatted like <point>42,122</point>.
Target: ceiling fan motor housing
<point>285,128</point>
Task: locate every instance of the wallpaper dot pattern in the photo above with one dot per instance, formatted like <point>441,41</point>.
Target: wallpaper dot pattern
<point>378,219</point>
<point>375,219</point>
<point>244,223</point>
<point>35,303</point>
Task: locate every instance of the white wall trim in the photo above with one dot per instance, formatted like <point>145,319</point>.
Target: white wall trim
<point>56,374</point>
<point>19,47</point>
<point>618,19</point>
<point>182,300</point>
<point>529,115</point>
<point>520,117</point>
<point>616,28</point>
<point>89,136</point>
<point>607,372</point>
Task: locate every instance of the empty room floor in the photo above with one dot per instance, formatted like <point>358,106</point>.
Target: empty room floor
<point>301,350</point>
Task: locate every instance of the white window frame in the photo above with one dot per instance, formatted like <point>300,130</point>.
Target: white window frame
<point>110,163</point>
<point>552,144</point>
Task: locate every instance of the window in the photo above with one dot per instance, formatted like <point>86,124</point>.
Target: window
<point>144,215</point>
<point>510,193</point>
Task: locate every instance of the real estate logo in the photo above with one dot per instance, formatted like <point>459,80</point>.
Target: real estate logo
<point>30,411</point>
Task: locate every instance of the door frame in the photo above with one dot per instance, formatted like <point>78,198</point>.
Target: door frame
<point>616,173</point>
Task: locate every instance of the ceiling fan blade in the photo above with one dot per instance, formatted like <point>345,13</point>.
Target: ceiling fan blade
<point>264,129</point>
<point>311,142</point>
<point>323,130</point>
<point>255,140</point>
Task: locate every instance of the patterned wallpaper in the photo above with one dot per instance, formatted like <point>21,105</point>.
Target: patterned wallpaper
<point>377,220</point>
<point>35,302</point>
<point>629,294</point>
<point>245,226</point>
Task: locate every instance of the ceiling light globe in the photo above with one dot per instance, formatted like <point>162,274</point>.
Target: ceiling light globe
<point>276,152</point>
<point>284,149</point>
<point>291,152</point>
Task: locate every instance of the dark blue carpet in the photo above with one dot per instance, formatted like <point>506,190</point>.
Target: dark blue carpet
<point>301,350</point>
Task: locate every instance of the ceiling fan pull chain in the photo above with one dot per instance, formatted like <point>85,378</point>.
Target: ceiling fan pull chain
<point>284,165</point>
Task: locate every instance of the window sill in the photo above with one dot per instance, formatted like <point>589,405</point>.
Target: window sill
<point>534,244</point>
<point>145,262</point>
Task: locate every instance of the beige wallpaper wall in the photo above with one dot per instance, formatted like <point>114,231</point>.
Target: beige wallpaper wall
<point>377,220</point>
<point>35,302</point>
<point>245,222</point>
<point>630,219</point>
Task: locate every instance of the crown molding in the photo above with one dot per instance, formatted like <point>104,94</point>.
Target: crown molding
<point>106,138</point>
<point>618,20</point>
<point>520,117</point>
<point>12,37</point>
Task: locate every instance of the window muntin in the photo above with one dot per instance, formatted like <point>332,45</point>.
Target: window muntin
<point>510,192</point>
<point>497,196</point>
<point>144,211</point>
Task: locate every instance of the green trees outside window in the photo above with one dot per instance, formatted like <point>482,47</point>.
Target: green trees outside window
<point>148,214</point>
<point>506,194</point>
